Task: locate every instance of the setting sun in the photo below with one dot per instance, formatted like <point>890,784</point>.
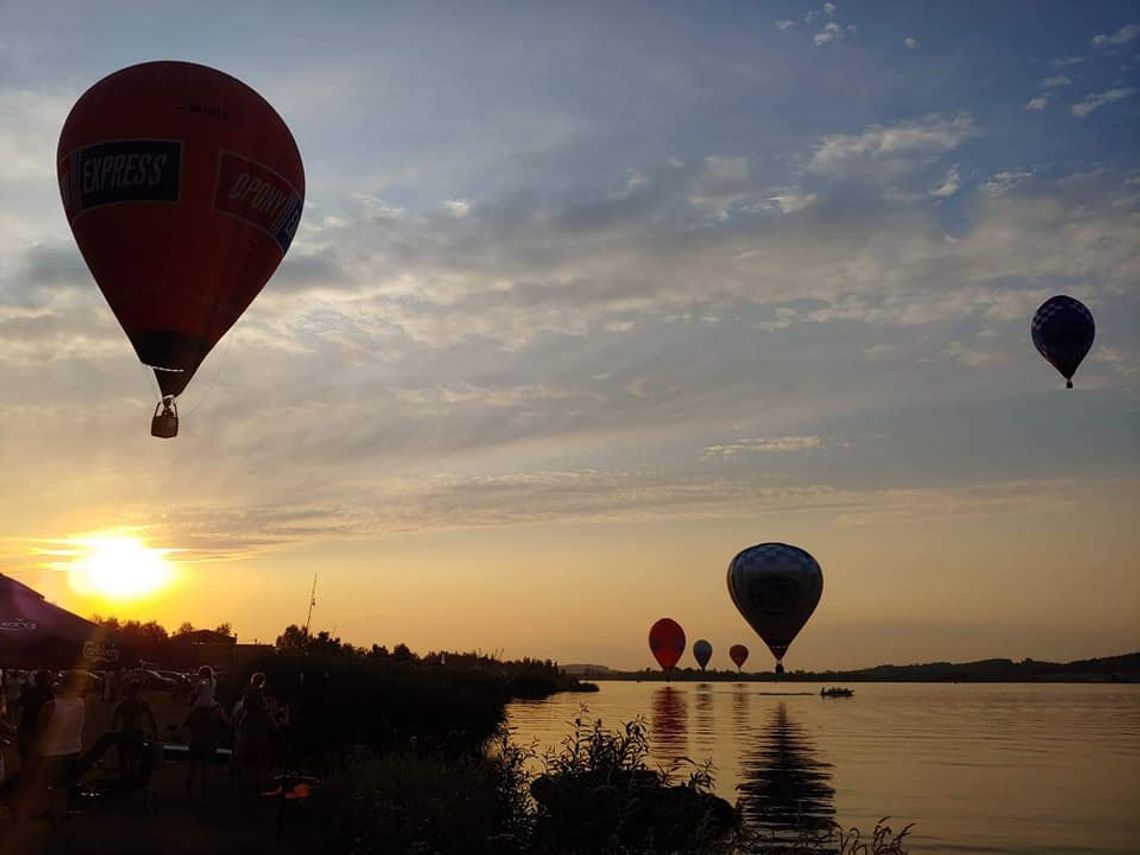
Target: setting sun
<point>118,568</point>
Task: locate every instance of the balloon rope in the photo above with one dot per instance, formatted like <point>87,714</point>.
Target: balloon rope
<point>208,391</point>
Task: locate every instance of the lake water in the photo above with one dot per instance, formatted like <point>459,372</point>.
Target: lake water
<point>980,768</point>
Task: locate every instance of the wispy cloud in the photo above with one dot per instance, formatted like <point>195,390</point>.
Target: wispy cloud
<point>758,445</point>
<point>934,134</point>
<point>910,43</point>
<point>972,355</point>
<point>29,120</point>
<point>1122,36</point>
<point>949,186</point>
<point>789,202</point>
<point>1056,81</point>
<point>831,32</point>
<point>1037,103</point>
<point>785,24</point>
<point>459,208</point>
<point>1098,100</point>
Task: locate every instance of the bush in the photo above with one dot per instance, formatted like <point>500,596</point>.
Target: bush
<point>411,802</point>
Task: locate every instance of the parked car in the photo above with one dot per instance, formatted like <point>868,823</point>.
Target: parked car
<point>152,679</point>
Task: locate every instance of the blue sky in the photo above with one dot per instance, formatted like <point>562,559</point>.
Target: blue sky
<point>580,270</point>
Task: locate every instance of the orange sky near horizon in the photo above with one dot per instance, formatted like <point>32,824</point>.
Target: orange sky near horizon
<point>962,585</point>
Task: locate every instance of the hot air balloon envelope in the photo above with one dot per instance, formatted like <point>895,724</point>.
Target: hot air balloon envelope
<point>183,188</point>
<point>776,587</point>
<point>667,641</point>
<point>738,653</point>
<point>702,652</point>
<point>1063,330</point>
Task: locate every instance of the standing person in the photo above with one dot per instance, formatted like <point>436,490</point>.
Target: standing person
<point>6,734</point>
<point>205,686</point>
<point>207,724</point>
<point>13,688</point>
<point>130,715</point>
<point>31,703</point>
<point>255,732</point>
<point>59,743</point>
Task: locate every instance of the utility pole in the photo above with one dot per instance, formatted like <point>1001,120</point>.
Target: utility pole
<point>312,602</point>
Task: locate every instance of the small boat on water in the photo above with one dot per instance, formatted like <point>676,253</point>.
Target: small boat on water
<point>835,692</point>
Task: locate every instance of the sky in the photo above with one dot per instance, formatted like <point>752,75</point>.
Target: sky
<point>586,298</point>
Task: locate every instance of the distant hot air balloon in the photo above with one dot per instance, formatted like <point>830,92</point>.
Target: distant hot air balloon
<point>1063,330</point>
<point>738,653</point>
<point>667,641</point>
<point>776,587</point>
<point>183,188</point>
<point>702,652</point>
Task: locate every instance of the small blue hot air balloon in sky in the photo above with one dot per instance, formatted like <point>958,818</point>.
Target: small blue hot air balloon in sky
<point>1063,331</point>
<point>702,652</point>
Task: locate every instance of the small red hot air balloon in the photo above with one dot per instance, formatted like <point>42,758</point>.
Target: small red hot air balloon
<point>738,653</point>
<point>667,641</point>
<point>183,188</point>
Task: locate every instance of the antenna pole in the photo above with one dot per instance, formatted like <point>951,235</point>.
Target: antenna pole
<point>312,602</point>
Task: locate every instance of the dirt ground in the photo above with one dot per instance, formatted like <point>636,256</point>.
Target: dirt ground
<point>232,818</point>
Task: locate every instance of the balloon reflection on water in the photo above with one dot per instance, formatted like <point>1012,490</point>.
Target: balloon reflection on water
<point>704,722</point>
<point>669,725</point>
<point>785,790</point>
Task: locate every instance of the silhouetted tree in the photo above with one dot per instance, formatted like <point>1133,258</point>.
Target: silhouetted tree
<point>131,631</point>
<point>293,639</point>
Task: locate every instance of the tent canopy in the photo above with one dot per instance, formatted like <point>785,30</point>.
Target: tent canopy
<point>36,634</point>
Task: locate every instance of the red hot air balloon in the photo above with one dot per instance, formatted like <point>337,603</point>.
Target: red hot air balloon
<point>184,189</point>
<point>738,653</point>
<point>667,641</point>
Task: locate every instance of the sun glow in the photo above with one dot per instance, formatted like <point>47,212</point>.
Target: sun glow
<point>118,568</point>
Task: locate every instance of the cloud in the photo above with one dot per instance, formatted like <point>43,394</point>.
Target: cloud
<point>1037,103</point>
<point>949,185</point>
<point>544,330</point>
<point>1003,181</point>
<point>1122,36</point>
<point>1066,61</point>
<point>829,9</point>
<point>1096,101</point>
<point>29,129</point>
<point>772,444</point>
<point>900,144</point>
<point>972,355</point>
<point>592,495</point>
<point>458,208</point>
<point>785,24</point>
<point>1056,81</point>
<point>910,43</point>
<point>790,202</point>
<point>831,32</point>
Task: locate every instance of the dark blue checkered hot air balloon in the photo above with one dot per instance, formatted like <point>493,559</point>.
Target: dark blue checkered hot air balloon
<point>1063,331</point>
<point>776,587</point>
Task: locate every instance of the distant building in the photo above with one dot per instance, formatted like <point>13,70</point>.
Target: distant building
<point>204,636</point>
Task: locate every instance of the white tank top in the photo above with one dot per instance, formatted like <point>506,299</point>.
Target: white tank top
<point>64,732</point>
